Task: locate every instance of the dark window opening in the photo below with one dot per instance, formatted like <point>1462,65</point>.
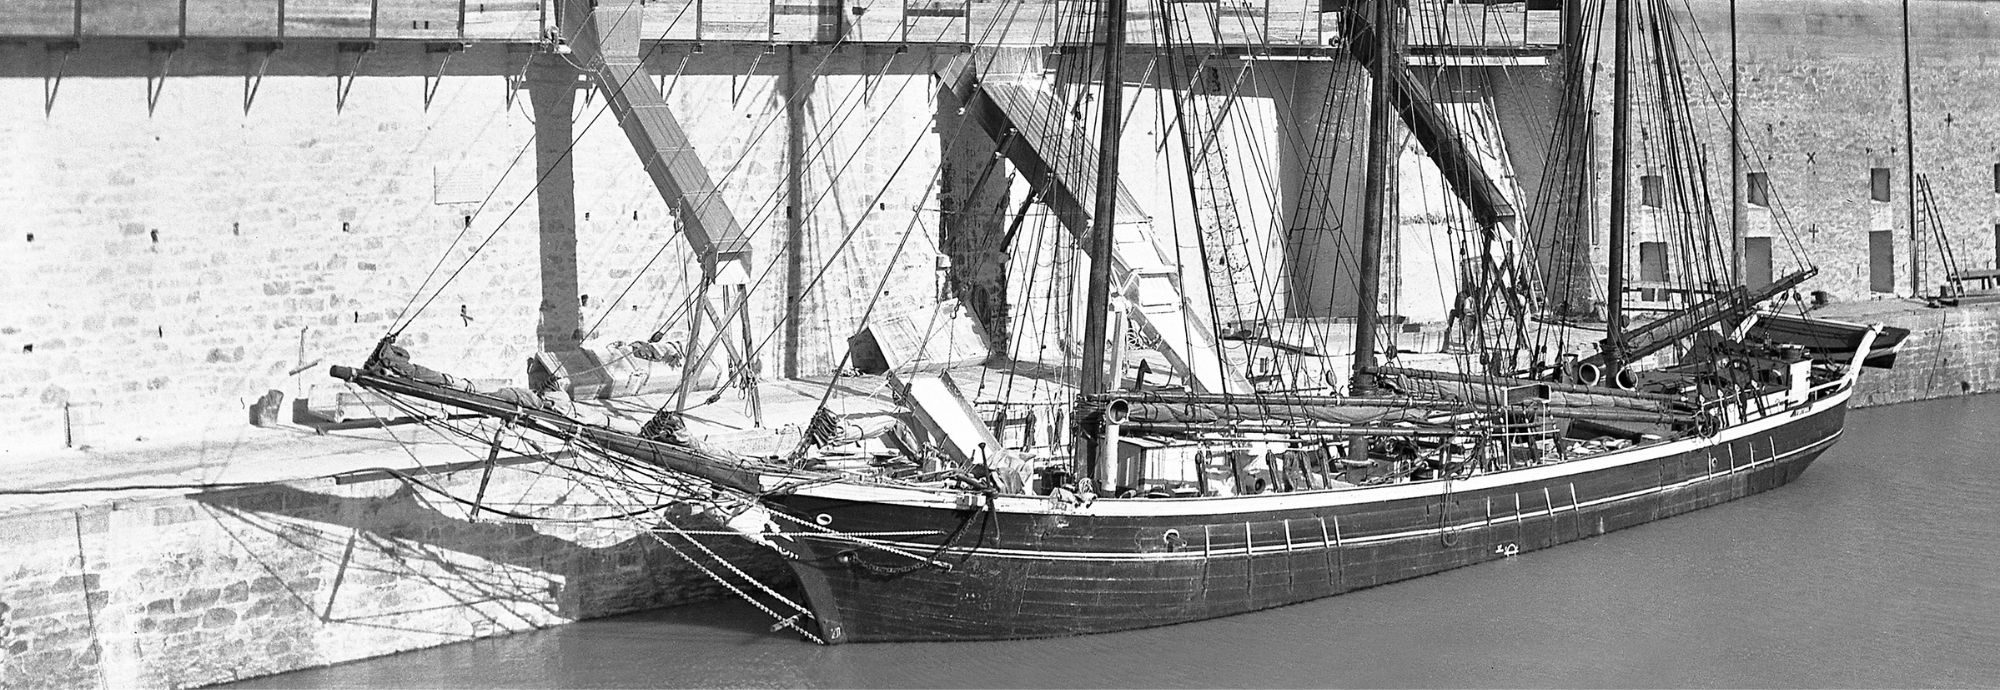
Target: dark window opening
<point>1882,260</point>
<point>1652,190</point>
<point>1653,261</point>
<point>1878,184</point>
<point>1756,262</point>
<point>1759,191</point>
<point>1996,178</point>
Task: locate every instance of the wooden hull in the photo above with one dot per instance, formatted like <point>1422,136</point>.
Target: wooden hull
<point>1027,568</point>
<point>1834,340</point>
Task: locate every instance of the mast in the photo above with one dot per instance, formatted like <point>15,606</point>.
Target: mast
<point>1621,173</point>
<point>1910,162</point>
<point>1103,218</point>
<point>1373,222</point>
<point>1736,210</point>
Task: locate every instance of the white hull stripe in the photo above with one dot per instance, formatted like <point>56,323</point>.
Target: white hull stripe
<point>920,497</point>
<point>1031,554</point>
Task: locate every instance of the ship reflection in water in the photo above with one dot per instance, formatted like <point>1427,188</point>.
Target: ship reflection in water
<point>1875,569</point>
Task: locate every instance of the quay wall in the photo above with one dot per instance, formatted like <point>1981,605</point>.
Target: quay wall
<point>1950,351</point>
<point>218,586</point>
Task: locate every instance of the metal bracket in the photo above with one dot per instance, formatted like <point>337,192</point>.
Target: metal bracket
<point>359,50</point>
<point>736,88</point>
<point>162,53</point>
<point>52,82</point>
<point>518,56</point>
<point>667,82</point>
<point>253,80</point>
<point>443,53</point>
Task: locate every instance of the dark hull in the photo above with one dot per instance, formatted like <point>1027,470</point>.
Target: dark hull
<point>1020,572</point>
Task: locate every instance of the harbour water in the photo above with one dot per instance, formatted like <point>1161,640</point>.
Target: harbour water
<point>1880,567</point>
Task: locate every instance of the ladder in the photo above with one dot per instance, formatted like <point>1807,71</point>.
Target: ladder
<point>1928,219</point>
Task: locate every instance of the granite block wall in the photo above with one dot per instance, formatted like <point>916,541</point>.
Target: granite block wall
<point>211,587</point>
<point>1823,107</point>
<point>1950,352</point>
<point>183,234</point>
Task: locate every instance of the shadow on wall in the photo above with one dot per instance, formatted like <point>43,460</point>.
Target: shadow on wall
<point>229,585</point>
<point>379,559</point>
<point>232,584</point>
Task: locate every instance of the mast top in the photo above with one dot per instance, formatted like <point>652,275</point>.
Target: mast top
<point>1105,214</point>
<point>1375,217</point>
<point>1621,177</point>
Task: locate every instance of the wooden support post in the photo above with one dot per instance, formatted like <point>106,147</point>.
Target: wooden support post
<point>552,96</point>
<point>746,366</point>
<point>696,353</point>
<point>796,89</point>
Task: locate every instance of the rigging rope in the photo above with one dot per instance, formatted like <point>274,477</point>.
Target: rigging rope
<point>564,155</point>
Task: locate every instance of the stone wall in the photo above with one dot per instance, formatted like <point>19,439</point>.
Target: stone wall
<point>211,587</point>
<point>176,247</point>
<point>1822,107</point>
<point>1950,352</point>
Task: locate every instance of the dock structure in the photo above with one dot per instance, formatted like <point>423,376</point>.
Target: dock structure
<point>745,200</point>
<point>209,201</point>
<point>1500,29</point>
<point>611,43</point>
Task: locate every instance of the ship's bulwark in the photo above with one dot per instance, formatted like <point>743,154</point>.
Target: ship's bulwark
<point>1020,575</point>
